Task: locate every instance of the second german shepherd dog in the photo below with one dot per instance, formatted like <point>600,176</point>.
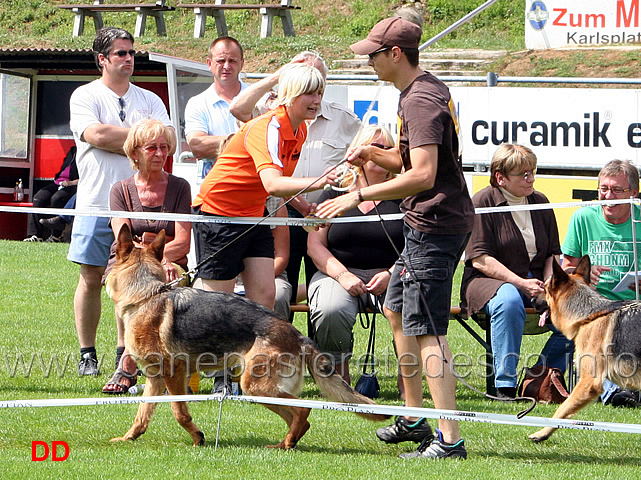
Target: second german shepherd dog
<point>606,334</point>
<point>174,332</point>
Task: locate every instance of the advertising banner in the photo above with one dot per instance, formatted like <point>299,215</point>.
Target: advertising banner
<point>576,23</point>
<point>568,128</point>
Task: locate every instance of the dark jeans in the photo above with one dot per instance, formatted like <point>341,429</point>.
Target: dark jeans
<point>48,196</point>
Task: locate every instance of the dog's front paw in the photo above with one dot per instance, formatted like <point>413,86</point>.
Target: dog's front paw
<point>120,439</point>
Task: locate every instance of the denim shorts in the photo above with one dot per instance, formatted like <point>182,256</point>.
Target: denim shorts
<point>421,287</point>
<point>229,245</point>
<point>91,240</point>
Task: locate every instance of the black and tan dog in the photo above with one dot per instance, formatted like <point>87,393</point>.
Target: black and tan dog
<point>173,332</point>
<point>606,334</point>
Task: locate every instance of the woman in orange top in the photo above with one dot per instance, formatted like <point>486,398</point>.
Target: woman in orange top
<point>258,161</point>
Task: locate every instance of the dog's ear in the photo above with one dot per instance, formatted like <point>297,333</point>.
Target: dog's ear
<point>583,269</point>
<point>157,247</point>
<point>558,274</point>
<point>125,243</point>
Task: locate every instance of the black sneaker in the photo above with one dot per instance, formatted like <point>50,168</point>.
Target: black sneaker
<point>623,397</point>
<point>88,365</point>
<point>222,386</point>
<point>437,449</point>
<point>506,393</point>
<point>405,431</point>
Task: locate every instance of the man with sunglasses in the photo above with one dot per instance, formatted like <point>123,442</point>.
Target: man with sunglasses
<point>438,220</point>
<point>604,232</point>
<point>102,113</point>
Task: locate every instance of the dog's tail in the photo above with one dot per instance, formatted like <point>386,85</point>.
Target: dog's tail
<point>332,385</point>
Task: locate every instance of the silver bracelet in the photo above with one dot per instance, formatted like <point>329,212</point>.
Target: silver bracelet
<point>341,274</point>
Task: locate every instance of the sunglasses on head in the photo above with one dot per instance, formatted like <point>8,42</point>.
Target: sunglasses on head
<point>123,53</point>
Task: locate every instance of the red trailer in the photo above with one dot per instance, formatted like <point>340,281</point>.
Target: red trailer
<point>35,86</point>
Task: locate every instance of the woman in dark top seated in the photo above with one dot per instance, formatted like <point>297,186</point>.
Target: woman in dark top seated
<point>508,257</point>
<point>354,260</point>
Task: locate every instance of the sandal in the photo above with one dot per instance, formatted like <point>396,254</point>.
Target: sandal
<point>115,385</point>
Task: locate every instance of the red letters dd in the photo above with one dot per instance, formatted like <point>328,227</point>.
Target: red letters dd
<point>54,451</point>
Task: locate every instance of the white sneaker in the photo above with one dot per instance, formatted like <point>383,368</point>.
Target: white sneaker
<point>33,238</point>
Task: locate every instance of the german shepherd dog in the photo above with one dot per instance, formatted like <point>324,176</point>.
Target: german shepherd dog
<point>606,334</point>
<point>173,332</point>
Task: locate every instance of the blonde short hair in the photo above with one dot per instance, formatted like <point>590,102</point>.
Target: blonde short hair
<point>511,157</point>
<point>144,131</point>
<point>367,134</point>
<point>298,79</point>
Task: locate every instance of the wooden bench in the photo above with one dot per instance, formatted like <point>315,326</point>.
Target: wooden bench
<point>96,9</point>
<point>482,320</point>
<point>217,10</point>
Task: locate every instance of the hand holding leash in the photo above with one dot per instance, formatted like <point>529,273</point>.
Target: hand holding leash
<point>359,156</point>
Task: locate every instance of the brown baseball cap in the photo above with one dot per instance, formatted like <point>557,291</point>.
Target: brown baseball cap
<point>391,32</point>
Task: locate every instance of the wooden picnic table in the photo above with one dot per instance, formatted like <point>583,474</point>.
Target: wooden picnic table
<point>96,9</point>
<point>281,10</point>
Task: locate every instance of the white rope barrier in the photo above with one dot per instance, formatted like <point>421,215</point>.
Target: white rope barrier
<point>481,417</point>
<point>177,217</point>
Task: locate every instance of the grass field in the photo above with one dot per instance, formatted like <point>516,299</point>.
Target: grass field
<point>36,321</point>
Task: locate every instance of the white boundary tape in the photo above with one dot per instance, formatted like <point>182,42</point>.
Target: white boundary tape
<point>527,421</point>
<point>282,220</point>
<point>177,217</point>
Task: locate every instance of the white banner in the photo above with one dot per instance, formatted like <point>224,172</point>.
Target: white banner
<point>575,23</point>
<point>568,128</point>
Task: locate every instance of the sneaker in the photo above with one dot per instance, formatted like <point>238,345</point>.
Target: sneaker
<point>54,239</point>
<point>437,449</point>
<point>623,397</point>
<point>33,238</point>
<point>88,365</point>
<point>404,431</point>
<point>222,386</point>
<point>506,393</point>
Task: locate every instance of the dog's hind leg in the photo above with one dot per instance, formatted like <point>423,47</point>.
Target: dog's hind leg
<point>296,419</point>
<point>177,385</point>
<point>585,392</point>
<point>154,385</point>
<point>265,375</point>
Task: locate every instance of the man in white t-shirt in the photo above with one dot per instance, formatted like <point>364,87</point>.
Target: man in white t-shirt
<point>207,118</point>
<point>102,112</point>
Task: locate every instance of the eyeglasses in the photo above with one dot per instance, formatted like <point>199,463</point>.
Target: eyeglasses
<point>123,53</point>
<point>122,113</point>
<point>526,174</point>
<point>373,54</point>
<point>615,190</point>
<point>152,149</point>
